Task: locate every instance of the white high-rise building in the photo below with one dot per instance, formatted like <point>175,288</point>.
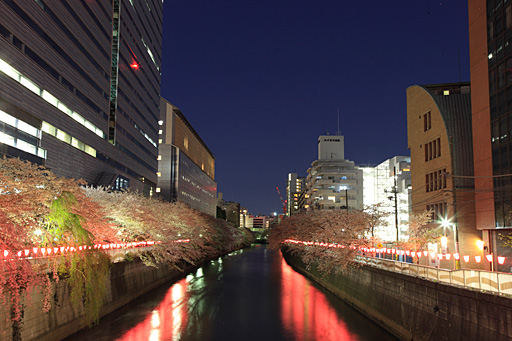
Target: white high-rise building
<point>332,181</point>
<point>381,183</point>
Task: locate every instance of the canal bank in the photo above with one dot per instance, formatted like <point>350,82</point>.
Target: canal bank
<point>127,281</point>
<point>417,309</point>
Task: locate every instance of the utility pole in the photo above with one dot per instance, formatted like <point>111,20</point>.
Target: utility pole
<point>395,190</point>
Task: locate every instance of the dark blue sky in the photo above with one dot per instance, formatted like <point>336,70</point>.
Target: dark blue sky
<point>261,80</point>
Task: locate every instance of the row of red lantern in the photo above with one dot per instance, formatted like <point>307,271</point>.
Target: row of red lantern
<point>419,254</point>
<point>48,251</point>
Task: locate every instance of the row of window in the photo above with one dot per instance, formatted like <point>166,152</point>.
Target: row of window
<point>439,211</point>
<point>432,149</point>
<point>20,135</point>
<point>435,180</point>
<point>38,60</point>
<point>48,97</point>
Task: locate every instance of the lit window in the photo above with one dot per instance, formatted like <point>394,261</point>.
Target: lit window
<point>159,157</point>
<point>158,189</point>
<point>159,140</point>
<point>160,122</point>
<point>446,92</point>
<point>48,97</point>
<point>159,174</point>
<point>160,131</point>
<point>30,85</point>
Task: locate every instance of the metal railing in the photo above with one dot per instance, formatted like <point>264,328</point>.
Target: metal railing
<point>494,282</point>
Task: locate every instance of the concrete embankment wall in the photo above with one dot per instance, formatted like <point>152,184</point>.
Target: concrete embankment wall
<point>417,309</point>
<point>128,281</point>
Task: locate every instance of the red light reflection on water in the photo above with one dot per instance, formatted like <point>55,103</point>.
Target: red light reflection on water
<point>305,312</point>
<point>166,321</point>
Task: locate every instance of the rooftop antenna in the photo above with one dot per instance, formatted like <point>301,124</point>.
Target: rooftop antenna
<point>459,64</point>
<point>339,132</point>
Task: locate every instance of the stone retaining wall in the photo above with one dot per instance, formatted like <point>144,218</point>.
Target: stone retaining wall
<point>128,281</point>
<point>413,308</point>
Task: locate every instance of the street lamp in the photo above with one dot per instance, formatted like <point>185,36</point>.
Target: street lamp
<point>446,223</point>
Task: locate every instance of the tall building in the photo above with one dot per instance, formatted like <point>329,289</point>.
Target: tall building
<point>388,188</point>
<point>440,140</point>
<point>332,181</point>
<point>80,88</point>
<point>294,187</point>
<point>186,167</point>
<point>490,48</point>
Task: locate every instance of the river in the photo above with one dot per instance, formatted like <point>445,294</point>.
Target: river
<point>251,294</point>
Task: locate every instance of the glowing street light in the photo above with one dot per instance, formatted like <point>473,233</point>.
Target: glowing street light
<point>447,223</point>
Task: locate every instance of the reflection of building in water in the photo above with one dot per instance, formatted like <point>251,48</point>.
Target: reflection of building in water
<point>167,321</point>
<point>305,312</point>
<point>186,166</point>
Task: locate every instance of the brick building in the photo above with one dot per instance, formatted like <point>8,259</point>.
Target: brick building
<point>439,138</point>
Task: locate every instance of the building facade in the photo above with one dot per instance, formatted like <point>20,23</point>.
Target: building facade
<point>294,187</point>
<point>186,167</point>
<point>80,88</point>
<point>230,209</point>
<point>332,181</point>
<point>490,48</point>
<point>439,132</point>
<point>387,187</point>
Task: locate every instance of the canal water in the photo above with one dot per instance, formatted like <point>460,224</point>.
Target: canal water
<point>251,294</point>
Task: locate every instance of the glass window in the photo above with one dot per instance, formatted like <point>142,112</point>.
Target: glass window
<point>501,75</point>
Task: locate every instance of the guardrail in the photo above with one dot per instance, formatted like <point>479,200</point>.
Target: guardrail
<point>494,282</point>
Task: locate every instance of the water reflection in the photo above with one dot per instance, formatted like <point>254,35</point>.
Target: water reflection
<point>305,312</point>
<point>167,320</point>
<point>249,295</point>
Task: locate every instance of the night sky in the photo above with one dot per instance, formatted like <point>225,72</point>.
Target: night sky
<point>260,80</point>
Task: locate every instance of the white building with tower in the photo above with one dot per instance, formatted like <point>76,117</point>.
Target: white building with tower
<point>332,181</point>
<point>388,185</point>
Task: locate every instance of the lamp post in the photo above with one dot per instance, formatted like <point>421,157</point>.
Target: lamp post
<point>446,223</point>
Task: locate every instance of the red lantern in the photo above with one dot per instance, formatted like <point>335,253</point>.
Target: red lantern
<point>478,259</point>
<point>501,259</point>
<point>489,258</point>
<point>466,258</point>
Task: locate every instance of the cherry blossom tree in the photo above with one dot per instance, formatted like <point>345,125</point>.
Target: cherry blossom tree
<point>333,237</point>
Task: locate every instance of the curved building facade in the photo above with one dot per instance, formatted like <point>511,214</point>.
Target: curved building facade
<point>439,132</point>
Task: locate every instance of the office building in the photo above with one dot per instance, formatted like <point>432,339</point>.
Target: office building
<point>80,88</point>
<point>332,181</point>
<point>294,187</point>
<point>440,141</point>
<point>490,47</point>
<point>387,187</point>
<point>186,167</point>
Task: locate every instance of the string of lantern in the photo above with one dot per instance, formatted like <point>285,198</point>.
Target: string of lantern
<point>395,251</point>
<point>41,252</point>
